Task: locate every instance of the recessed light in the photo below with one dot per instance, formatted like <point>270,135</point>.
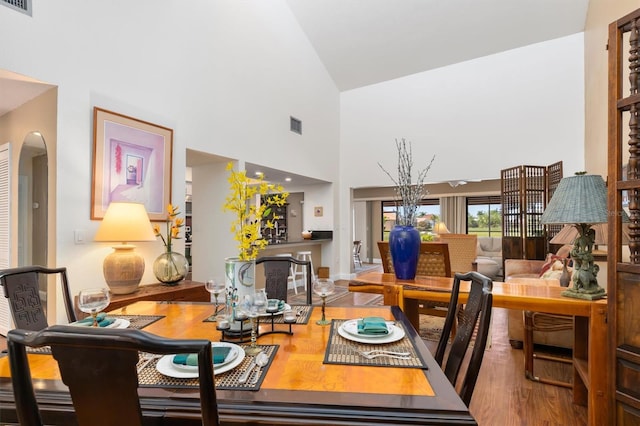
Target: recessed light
<point>287,179</point>
<point>260,174</point>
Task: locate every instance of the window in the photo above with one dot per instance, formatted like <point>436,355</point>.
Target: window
<point>428,214</point>
<point>484,216</point>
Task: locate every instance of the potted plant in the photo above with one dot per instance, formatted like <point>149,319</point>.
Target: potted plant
<point>404,239</point>
<point>170,267</point>
<point>249,218</point>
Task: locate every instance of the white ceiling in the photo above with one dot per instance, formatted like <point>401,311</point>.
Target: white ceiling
<point>363,42</point>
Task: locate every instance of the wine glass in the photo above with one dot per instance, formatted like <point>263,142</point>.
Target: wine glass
<point>323,287</point>
<point>215,286</point>
<point>254,305</point>
<point>92,301</point>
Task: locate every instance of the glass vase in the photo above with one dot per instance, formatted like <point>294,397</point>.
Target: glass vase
<point>170,267</point>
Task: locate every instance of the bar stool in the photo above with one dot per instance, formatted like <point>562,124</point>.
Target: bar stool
<point>291,279</point>
<point>302,272</point>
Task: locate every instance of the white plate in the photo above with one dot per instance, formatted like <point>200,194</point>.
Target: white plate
<point>396,334</point>
<point>268,314</point>
<point>232,355</point>
<point>351,327</point>
<point>118,323</point>
<point>165,364</point>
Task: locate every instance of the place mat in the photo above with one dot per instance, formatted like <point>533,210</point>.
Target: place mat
<point>150,377</point>
<point>304,312</point>
<point>344,351</point>
<point>136,321</point>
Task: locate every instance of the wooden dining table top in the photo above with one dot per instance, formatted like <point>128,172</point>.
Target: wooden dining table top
<point>298,388</point>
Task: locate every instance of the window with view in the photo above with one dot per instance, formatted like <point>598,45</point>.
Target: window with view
<point>428,214</point>
<point>484,216</point>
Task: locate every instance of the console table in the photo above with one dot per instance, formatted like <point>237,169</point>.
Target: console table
<point>185,291</point>
<point>590,382</point>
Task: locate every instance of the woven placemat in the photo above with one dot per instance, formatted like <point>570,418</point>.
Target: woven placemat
<point>304,312</point>
<point>150,377</point>
<point>345,351</point>
<point>136,321</point>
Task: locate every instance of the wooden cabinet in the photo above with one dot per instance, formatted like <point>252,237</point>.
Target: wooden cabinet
<point>623,270</point>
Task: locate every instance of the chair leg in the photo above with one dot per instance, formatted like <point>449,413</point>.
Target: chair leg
<point>529,355</point>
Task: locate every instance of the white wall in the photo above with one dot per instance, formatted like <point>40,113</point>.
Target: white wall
<point>524,106</point>
<point>224,75</point>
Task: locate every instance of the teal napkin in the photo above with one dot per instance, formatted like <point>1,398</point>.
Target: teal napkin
<point>102,319</point>
<point>219,355</point>
<point>372,325</point>
<point>281,305</point>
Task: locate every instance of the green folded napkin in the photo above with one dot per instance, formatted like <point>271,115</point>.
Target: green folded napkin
<point>281,305</point>
<point>219,355</point>
<point>102,319</point>
<point>372,325</point>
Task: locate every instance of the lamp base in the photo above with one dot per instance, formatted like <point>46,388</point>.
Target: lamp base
<point>123,269</point>
<point>598,294</point>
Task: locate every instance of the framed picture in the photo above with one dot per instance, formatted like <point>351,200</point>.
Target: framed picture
<point>131,162</point>
<point>317,211</point>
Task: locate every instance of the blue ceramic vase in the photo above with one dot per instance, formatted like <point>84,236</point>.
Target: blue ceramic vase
<point>404,244</point>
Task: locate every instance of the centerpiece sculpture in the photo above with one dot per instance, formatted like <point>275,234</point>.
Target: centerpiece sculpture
<point>251,201</point>
<point>404,239</point>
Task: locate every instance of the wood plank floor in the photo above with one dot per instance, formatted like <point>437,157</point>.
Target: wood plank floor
<point>503,396</point>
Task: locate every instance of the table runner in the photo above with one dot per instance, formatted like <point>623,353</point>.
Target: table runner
<point>344,351</point>
<point>304,312</point>
<point>136,321</point>
<point>150,377</point>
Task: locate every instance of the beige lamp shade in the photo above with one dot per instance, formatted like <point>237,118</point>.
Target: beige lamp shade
<point>124,222</point>
<point>440,228</point>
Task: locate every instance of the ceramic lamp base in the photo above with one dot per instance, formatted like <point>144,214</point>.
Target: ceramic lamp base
<point>123,269</point>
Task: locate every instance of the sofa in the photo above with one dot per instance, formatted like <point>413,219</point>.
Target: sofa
<point>548,269</point>
<point>489,257</point>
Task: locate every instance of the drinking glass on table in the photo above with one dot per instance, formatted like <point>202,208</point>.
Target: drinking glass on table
<point>254,305</point>
<point>93,301</point>
<point>215,286</point>
<point>323,287</point>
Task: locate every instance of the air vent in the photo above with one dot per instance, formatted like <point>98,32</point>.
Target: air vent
<point>296,125</point>
<point>23,6</point>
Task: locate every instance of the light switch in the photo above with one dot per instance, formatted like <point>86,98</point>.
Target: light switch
<point>78,236</point>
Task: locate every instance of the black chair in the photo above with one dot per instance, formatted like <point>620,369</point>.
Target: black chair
<point>99,367</point>
<point>475,317</point>
<point>276,271</point>
<point>22,288</point>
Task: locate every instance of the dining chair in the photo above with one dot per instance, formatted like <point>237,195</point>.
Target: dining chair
<point>22,288</point>
<point>463,250</point>
<point>357,246</point>
<point>433,261</point>
<point>99,366</point>
<point>276,272</point>
<point>473,320</point>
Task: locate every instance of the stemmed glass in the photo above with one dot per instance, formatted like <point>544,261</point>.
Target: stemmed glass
<point>323,287</point>
<point>254,305</point>
<point>92,301</point>
<point>215,286</point>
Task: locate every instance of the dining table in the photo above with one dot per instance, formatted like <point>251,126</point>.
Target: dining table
<point>315,375</point>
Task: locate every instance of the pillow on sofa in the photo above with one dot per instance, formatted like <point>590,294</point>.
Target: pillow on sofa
<point>555,271</point>
<point>562,253</point>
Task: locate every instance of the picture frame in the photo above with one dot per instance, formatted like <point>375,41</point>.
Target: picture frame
<point>132,162</point>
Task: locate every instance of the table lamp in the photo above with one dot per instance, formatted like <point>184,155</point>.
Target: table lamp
<point>580,201</point>
<point>124,222</point>
<point>440,228</point>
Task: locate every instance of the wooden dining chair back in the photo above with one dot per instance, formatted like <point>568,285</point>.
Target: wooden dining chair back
<point>99,366</point>
<point>276,273</point>
<point>473,320</point>
<point>22,287</point>
<point>434,259</point>
<point>462,251</point>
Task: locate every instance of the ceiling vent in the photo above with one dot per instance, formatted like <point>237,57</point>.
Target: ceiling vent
<point>296,125</point>
<point>23,6</point>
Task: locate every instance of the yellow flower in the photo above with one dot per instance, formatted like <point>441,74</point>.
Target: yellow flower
<point>173,225</point>
<point>249,216</point>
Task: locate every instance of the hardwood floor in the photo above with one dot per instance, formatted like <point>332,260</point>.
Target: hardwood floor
<point>503,396</point>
